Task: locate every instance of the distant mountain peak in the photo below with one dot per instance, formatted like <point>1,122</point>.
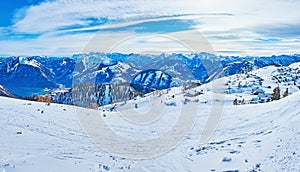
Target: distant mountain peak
<point>30,62</point>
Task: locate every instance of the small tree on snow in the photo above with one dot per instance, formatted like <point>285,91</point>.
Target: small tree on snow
<point>276,94</point>
<point>286,93</point>
<point>235,101</point>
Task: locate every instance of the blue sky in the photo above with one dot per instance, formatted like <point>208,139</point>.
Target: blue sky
<point>10,8</point>
<point>230,27</point>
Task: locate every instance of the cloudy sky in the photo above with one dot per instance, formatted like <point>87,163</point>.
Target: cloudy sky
<point>230,27</point>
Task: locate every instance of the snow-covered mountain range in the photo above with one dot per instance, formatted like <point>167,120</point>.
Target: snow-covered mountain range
<point>27,75</point>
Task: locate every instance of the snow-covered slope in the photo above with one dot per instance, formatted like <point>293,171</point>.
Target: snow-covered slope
<point>260,137</point>
<point>295,65</point>
<point>257,86</point>
<point>149,80</point>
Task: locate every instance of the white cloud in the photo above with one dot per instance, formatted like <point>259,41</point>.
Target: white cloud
<point>128,42</point>
<point>45,45</point>
<point>51,15</point>
<point>236,32</point>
